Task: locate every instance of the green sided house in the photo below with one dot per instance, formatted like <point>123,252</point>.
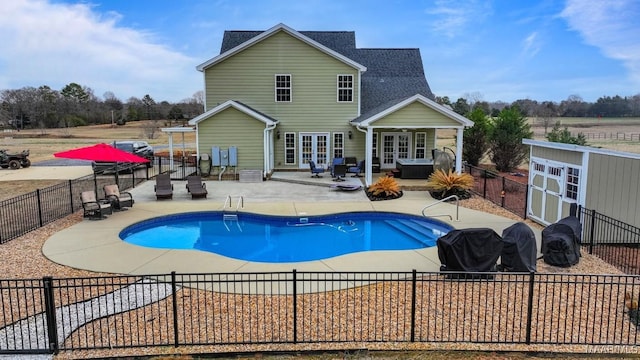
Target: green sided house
<point>280,98</point>
<point>597,179</point>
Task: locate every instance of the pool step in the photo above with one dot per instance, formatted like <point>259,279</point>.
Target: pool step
<point>416,230</point>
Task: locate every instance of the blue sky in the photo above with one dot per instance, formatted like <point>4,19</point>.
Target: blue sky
<point>500,50</point>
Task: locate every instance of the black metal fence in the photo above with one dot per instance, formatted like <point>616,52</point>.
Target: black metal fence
<point>48,315</point>
<point>509,194</point>
<point>612,240</point>
<point>30,211</point>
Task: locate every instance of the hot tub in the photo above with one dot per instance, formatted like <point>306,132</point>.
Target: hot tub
<point>414,168</point>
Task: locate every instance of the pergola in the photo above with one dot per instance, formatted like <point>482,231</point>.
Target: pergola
<point>170,132</point>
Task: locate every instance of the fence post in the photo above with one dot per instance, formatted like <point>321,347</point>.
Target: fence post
<point>71,195</point>
<point>295,307</point>
<point>484,189</point>
<point>39,208</point>
<point>174,297</point>
<point>50,314</point>
<point>413,305</point>
<point>503,193</point>
<point>530,307</point>
<point>592,230</point>
<point>526,201</point>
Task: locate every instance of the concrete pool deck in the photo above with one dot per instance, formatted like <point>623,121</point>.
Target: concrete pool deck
<point>94,244</point>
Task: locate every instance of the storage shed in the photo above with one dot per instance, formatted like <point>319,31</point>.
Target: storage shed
<point>563,174</point>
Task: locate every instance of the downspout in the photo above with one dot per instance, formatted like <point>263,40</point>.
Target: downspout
<point>266,147</point>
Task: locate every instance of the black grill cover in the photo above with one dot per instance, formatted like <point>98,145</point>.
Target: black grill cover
<point>469,250</point>
<point>519,251</point>
<point>561,242</point>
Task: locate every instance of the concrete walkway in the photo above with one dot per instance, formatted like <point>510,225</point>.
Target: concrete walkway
<point>95,245</point>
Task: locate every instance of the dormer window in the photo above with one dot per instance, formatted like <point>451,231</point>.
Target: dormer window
<point>283,88</point>
<point>345,88</point>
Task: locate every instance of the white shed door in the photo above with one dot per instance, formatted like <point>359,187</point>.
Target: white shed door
<point>546,180</point>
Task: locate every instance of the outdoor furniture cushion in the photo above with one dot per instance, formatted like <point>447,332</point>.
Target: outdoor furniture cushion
<point>119,199</point>
<point>94,208</point>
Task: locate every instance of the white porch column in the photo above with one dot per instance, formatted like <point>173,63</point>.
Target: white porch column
<point>459,135</point>
<point>368,157</point>
<point>171,151</point>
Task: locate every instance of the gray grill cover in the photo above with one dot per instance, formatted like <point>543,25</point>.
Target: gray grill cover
<point>519,251</point>
<point>469,250</point>
<point>561,242</point>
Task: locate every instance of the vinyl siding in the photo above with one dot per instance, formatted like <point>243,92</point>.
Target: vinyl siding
<point>222,130</point>
<point>612,187</point>
<point>564,156</point>
<point>416,114</point>
<point>248,77</point>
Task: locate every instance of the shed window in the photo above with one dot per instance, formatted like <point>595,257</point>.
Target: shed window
<point>573,180</point>
<point>283,88</point>
<point>345,88</point>
<point>290,148</point>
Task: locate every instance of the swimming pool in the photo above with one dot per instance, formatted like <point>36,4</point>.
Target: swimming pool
<point>277,239</point>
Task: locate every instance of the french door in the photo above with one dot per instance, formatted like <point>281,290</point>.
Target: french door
<point>394,146</point>
<point>314,147</point>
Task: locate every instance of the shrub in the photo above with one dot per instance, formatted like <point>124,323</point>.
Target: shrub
<point>443,184</point>
<point>385,187</point>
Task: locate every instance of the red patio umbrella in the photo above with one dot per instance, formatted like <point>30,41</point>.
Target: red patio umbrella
<point>101,152</point>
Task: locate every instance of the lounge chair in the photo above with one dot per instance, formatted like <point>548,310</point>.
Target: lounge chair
<point>356,170</point>
<point>163,187</point>
<point>94,208</point>
<point>120,200</point>
<point>315,171</point>
<point>196,187</point>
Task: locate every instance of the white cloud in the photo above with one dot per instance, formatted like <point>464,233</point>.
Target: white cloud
<point>531,44</point>
<point>453,17</point>
<point>610,25</point>
<point>55,44</point>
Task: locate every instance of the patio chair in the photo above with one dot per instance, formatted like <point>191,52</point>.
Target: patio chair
<point>375,164</point>
<point>334,162</point>
<point>350,161</point>
<point>339,171</point>
<point>120,200</point>
<point>356,170</point>
<point>315,171</point>
<point>94,208</point>
<point>196,187</point>
<point>163,187</point>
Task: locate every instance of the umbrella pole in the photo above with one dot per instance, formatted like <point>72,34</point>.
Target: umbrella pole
<point>95,184</point>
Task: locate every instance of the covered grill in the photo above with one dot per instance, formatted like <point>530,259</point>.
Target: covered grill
<point>469,250</point>
<point>519,251</point>
<point>561,242</point>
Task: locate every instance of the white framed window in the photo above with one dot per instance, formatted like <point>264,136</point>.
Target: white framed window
<point>573,181</point>
<point>289,148</point>
<point>421,145</point>
<point>283,87</point>
<point>338,144</point>
<point>374,145</point>
<point>345,88</point>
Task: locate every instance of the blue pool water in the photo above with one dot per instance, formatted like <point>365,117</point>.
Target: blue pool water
<point>275,239</point>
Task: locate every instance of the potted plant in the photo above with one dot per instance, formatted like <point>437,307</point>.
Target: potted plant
<point>443,184</point>
<point>385,188</point>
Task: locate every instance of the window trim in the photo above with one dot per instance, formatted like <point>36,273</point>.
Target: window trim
<point>572,184</point>
<point>415,146</point>
<point>289,88</point>
<point>349,89</point>
<point>335,147</point>
<point>374,144</point>
<point>290,148</point>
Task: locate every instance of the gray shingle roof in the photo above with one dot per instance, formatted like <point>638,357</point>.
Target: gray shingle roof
<point>392,74</point>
